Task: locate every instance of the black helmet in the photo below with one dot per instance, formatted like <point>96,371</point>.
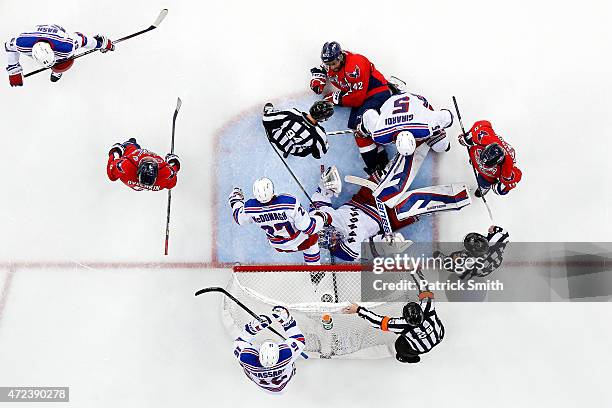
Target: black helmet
<point>331,51</point>
<point>322,110</point>
<point>492,155</point>
<point>476,244</point>
<point>413,314</point>
<point>147,171</point>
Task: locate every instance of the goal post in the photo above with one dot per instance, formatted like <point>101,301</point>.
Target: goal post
<point>311,292</point>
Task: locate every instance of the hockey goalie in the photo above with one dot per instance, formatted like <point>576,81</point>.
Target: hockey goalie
<point>360,219</point>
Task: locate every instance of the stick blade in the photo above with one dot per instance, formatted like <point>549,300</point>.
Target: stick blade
<point>160,18</point>
<point>211,289</point>
<point>179,103</point>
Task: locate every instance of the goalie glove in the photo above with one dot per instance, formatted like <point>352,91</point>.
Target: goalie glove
<point>258,325</point>
<point>236,196</point>
<point>318,80</point>
<point>391,244</point>
<point>330,182</point>
<point>327,218</point>
<point>282,315</point>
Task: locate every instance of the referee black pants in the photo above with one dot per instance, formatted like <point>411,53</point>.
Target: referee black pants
<point>405,353</point>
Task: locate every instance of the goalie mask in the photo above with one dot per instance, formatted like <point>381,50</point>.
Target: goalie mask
<point>330,238</point>
<point>476,244</point>
<point>413,314</point>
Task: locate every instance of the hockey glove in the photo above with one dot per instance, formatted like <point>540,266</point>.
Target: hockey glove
<point>465,139</point>
<point>318,80</point>
<point>327,218</point>
<point>282,315</point>
<point>173,160</point>
<point>334,97</point>
<point>258,324</point>
<point>16,79</point>
<point>104,44</point>
<point>117,150</point>
<point>236,197</point>
<point>330,182</point>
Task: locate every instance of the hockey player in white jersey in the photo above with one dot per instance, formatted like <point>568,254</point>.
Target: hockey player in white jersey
<point>288,227</point>
<point>272,365</point>
<point>409,121</point>
<point>50,45</point>
<point>359,220</point>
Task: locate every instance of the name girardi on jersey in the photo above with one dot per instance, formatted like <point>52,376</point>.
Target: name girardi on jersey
<point>398,119</point>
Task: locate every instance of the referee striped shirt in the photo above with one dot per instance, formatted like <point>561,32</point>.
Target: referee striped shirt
<point>498,239</point>
<point>292,133</point>
<point>421,338</point>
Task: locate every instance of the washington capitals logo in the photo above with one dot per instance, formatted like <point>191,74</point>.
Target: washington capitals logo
<point>354,74</point>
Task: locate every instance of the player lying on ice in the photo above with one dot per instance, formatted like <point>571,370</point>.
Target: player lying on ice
<point>409,121</point>
<point>358,220</point>
<point>272,365</point>
<point>50,45</point>
<point>288,227</point>
<point>493,159</point>
<point>298,133</point>
<point>419,329</point>
<point>141,169</point>
<point>359,86</point>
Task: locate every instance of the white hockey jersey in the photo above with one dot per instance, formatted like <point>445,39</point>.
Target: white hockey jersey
<point>272,379</point>
<point>284,220</point>
<point>356,220</point>
<point>63,43</point>
<point>407,112</point>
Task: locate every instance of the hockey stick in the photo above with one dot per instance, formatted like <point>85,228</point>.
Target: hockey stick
<point>289,169</point>
<point>245,308</point>
<point>380,206</point>
<point>340,132</point>
<point>484,200</point>
<point>153,26</point>
<point>176,111</point>
<point>332,260</point>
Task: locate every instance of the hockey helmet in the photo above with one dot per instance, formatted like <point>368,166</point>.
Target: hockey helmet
<point>147,171</point>
<point>43,54</point>
<point>268,353</point>
<point>330,52</point>
<point>476,244</point>
<point>413,313</point>
<point>492,155</point>
<point>405,143</point>
<point>322,110</point>
<point>263,190</point>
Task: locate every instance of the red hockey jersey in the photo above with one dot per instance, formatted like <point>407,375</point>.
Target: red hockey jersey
<point>125,168</point>
<point>507,173</point>
<point>358,79</point>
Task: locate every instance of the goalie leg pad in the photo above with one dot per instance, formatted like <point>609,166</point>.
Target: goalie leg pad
<point>399,175</point>
<point>432,199</point>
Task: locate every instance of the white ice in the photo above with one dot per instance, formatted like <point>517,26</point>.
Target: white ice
<point>86,300</point>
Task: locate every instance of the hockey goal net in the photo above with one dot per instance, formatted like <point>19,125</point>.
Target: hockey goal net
<point>310,292</point>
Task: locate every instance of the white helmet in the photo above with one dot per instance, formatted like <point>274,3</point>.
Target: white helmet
<point>405,143</point>
<point>43,54</point>
<point>263,190</point>
<point>268,353</point>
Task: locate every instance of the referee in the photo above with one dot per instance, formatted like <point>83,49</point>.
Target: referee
<point>298,133</point>
<point>419,328</point>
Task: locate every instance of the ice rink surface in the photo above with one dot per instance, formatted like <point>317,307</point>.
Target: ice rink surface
<point>88,300</point>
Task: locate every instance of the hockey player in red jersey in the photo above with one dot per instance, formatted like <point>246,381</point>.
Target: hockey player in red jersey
<point>360,86</point>
<point>493,159</point>
<point>141,169</point>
